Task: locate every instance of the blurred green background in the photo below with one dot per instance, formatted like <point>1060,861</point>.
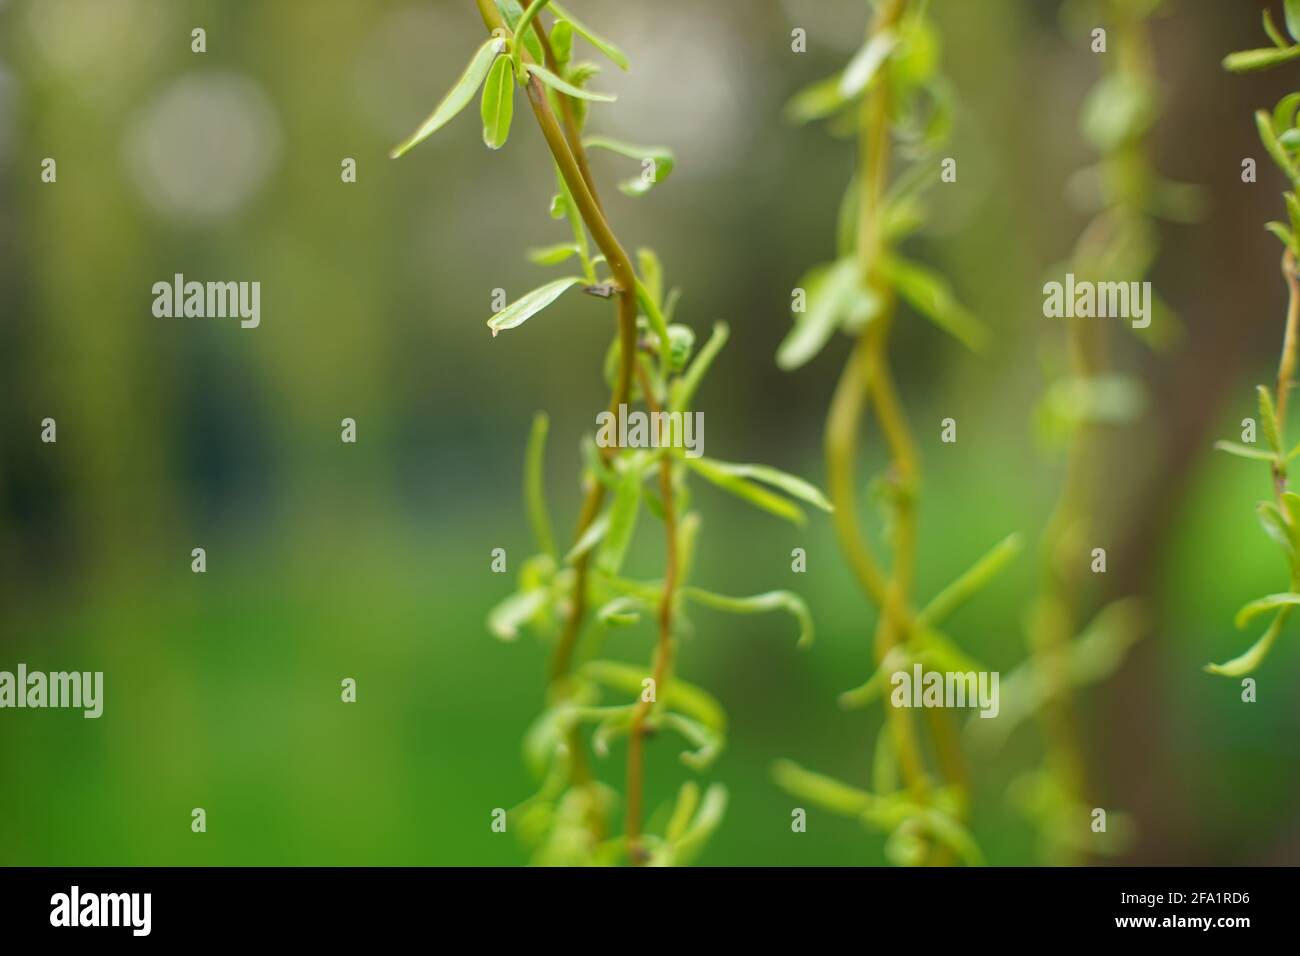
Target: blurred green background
<point>371,560</point>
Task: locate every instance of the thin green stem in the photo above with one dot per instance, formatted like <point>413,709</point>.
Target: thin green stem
<point>857,383</point>
<point>572,129</point>
<point>873,156</point>
<point>1287,364</point>
<point>625,282</point>
<point>841,447</point>
<point>873,182</point>
<point>533,8</point>
<point>1055,615</point>
<point>664,649</point>
<point>570,158</point>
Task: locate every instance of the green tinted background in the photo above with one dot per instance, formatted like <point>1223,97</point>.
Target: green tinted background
<point>371,560</point>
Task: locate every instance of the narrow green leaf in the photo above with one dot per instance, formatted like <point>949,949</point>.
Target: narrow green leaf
<point>657,163</point>
<point>828,291</point>
<point>553,255</point>
<point>569,209</point>
<point>524,308</point>
<point>1275,526</point>
<point>539,515</point>
<point>498,103</point>
<point>662,155</point>
<point>688,530</point>
<point>707,743</point>
<point>1247,662</point>
<point>648,592</point>
<point>589,538</point>
<point>1101,400</point>
<point>506,618</point>
<point>1094,656</point>
<point>1283,234</point>
<point>972,582</point>
<point>595,39</point>
<point>709,817</point>
<point>670,302</point>
<point>866,63</point>
<point>938,652</point>
<point>683,390</point>
<point>1244,451</point>
<point>457,99</point>
<point>614,725</point>
<point>1118,110</point>
<point>1248,61</point>
<point>620,611</point>
<point>562,42</point>
<point>622,523</point>
<point>1284,113</point>
<point>822,790</point>
<point>902,217</point>
<point>652,274</point>
<point>917,62</point>
<point>681,343</point>
<point>696,703</point>
<point>756,495</point>
<point>1291,507</point>
<point>1267,603</point>
<point>1273,32</point>
<point>543,738</point>
<point>530,14</point>
<point>688,798</point>
<point>928,647</point>
<point>1292,11</point>
<point>758,604</point>
<point>537,571</point>
<point>595,468</point>
<point>869,690</point>
<point>1268,418</point>
<point>1101,647</point>
<point>580,74</point>
<point>791,485</point>
<point>884,762</point>
<point>930,294</point>
<point>1264,124</point>
<point>818,101</point>
<point>657,320</point>
<point>567,88</point>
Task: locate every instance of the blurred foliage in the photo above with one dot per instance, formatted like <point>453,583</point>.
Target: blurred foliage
<point>371,561</point>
